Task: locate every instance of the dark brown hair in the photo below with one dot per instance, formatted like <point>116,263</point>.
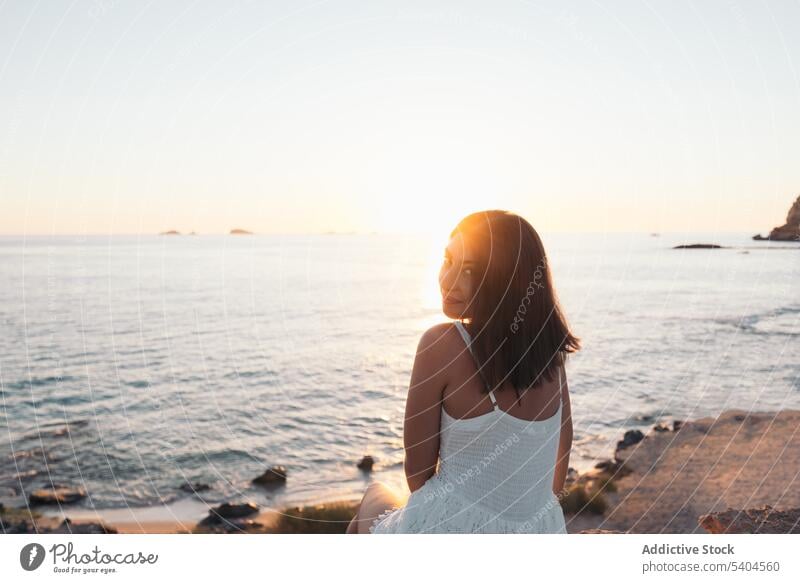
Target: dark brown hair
<point>518,329</point>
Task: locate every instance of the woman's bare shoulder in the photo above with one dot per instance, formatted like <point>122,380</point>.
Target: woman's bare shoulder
<point>435,346</point>
<point>438,338</point>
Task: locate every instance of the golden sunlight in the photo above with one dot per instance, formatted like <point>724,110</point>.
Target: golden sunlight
<point>429,188</point>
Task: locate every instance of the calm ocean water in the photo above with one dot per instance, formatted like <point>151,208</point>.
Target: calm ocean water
<point>210,358</point>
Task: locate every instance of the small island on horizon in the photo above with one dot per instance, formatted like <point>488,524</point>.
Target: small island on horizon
<point>232,232</point>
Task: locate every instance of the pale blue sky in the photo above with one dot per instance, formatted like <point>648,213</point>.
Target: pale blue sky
<point>134,117</point>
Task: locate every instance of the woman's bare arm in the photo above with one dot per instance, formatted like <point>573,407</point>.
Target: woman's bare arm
<point>565,440</point>
<point>423,408</point>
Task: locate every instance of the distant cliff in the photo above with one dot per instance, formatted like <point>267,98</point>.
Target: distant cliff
<point>788,232</point>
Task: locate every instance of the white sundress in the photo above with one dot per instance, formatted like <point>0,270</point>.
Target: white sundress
<point>495,476</point>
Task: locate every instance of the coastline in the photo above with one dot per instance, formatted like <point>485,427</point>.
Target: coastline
<point>660,482</point>
<point>180,517</point>
<point>680,481</point>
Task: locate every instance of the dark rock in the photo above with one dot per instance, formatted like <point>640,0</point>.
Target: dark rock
<point>607,469</point>
<point>195,487</point>
<point>366,463</point>
<point>763,520</point>
<point>274,475</point>
<point>227,511</point>
<point>57,495</point>
<point>69,527</point>
<point>631,437</point>
<point>676,425</point>
<point>661,427</point>
<point>606,465</point>
<point>235,526</point>
<point>739,417</point>
<point>698,246</point>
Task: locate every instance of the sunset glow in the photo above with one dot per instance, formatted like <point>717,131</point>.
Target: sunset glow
<point>279,120</point>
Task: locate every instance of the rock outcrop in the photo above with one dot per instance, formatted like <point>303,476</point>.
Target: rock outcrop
<point>228,511</point>
<point>27,521</point>
<point>690,479</point>
<point>274,475</point>
<point>764,520</point>
<point>228,517</point>
<point>631,437</point>
<point>788,232</point>
<point>366,463</point>
<point>194,487</point>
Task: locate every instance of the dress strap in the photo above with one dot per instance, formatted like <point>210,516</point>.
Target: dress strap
<point>464,334</point>
<point>468,342</point>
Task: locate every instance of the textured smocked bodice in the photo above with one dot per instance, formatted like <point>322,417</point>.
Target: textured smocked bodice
<point>495,474</point>
<point>499,462</point>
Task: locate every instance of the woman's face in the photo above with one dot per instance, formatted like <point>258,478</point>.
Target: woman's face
<point>456,278</point>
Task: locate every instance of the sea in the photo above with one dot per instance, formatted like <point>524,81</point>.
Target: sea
<point>133,364</point>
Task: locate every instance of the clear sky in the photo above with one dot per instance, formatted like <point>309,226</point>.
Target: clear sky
<point>298,116</point>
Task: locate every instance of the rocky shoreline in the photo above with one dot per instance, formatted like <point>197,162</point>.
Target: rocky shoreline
<point>730,474</point>
<point>789,231</point>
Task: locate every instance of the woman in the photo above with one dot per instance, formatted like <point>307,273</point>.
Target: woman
<point>488,397</point>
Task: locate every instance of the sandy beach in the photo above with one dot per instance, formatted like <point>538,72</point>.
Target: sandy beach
<point>180,517</point>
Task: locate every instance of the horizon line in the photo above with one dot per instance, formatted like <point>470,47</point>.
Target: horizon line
<point>354,232</point>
